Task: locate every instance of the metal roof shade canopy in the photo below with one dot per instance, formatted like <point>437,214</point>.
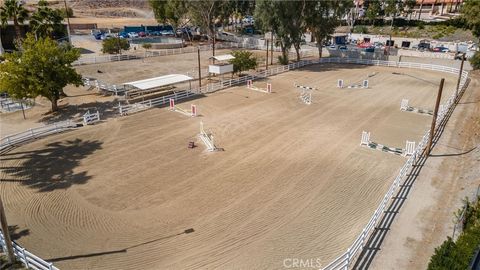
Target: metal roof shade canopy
<point>223,57</point>
<point>159,81</point>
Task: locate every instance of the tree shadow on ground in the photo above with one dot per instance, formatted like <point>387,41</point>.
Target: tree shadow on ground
<point>107,109</point>
<point>52,167</point>
<point>15,234</point>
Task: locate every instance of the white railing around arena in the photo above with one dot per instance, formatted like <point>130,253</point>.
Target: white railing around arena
<point>27,258</point>
<point>34,133</point>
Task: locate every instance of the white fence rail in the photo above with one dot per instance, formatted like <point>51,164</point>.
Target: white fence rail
<point>27,258</point>
<point>91,118</point>
<point>34,133</point>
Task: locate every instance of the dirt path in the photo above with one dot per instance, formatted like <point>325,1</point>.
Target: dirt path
<point>293,181</point>
<point>450,174</point>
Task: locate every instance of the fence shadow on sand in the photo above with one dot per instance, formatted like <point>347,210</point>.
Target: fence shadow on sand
<point>376,239</point>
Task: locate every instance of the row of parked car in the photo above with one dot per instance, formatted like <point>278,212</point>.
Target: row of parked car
<point>102,36</point>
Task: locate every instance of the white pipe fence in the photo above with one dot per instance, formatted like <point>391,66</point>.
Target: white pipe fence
<point>164,52</point>
<point>34,133</point>
<point>91,118</point>
<point>27,258</point>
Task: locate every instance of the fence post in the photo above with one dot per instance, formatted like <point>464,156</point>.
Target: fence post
<point>434,120</point>
<point>25,258</point>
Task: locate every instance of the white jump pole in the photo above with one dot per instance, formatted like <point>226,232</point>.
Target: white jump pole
<point>249,83</point>
<point>404,105</point>
<point>409,148</point>
<point>172,104</point>
<point>269,88</point>
<point>365,84</point>
<point>340,83</point>
<point>365,138</point>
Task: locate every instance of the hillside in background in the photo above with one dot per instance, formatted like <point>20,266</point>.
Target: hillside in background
<point>104,8</point>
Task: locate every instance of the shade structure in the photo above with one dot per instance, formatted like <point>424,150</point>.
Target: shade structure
<point>159,81</point>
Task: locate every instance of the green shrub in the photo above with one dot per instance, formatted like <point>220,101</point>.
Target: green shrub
<point>147,46</point>
<point>244,60</point>
<point>283,60</point>
<point>475,61</point>
<point>68,13</point>
<point>115,45</point>
<point>360,29</point>
<point>458,255</point>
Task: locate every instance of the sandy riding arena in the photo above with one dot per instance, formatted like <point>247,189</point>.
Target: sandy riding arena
<point>292,180</point>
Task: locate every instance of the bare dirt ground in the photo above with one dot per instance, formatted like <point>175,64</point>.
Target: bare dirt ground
<point>449,175</point>
<point>126,71</point>
<point>80,100</point>
<point>292,181</point>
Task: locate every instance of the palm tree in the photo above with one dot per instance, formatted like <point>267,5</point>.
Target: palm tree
<point>13,10</point>
<point>45,20</point>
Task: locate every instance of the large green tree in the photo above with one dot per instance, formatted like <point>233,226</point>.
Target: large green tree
<point>15,11</point>
<point>322,17</point>
<point>286,19</point>
<point>170,12</point>
<point>471,12</point>
<point>45,21</point>
<point>374,9</point>
<point>42,68</point>
<point>244,60</point>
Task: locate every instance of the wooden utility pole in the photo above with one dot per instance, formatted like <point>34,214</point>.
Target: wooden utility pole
<point>6,234</point>
<point>266,62</point>
<point>199,69</point>
<point>213,46</point>
<point>434,119</point>
<point>460,74</point>
<point>271,48</point>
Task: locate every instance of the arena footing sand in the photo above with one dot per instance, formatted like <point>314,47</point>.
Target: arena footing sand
<point>292,181</point>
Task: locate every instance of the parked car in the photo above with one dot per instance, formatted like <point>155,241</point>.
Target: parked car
<point>98,36</point>
<point>167,33</point>
<point>441,49</point>
<point>422,46</point>
<point>132,35</point>
<point>343,48</point>
<point>370,49</point>
<point>248,20</point>
<point>123,35</point>
<point>142,34</point>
